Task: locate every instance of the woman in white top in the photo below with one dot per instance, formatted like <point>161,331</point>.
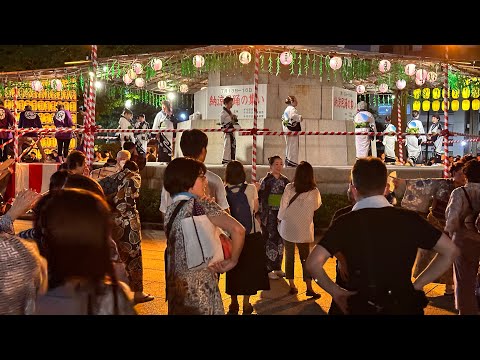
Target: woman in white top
<point>299,201</point>
<point>291,122</point>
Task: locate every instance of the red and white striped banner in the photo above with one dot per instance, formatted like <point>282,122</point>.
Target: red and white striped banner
<point>35,176</point>
<point>446,173</point>
<point>89,137</point>
<point>15,126</point>
<point>399,118</point>
<point>255,116</point>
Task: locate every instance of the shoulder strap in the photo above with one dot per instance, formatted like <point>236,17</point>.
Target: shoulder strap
<point>293,199</point>
<point>174,215</point>
<point>468,198</point>
<point>243,187</point>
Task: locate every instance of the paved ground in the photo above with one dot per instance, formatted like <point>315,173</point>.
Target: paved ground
<point>276,301</point>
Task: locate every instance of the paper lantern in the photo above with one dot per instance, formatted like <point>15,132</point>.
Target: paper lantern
<point>475,92</point>
<point>436,105</point>
<point>416,93</point>
<point>436,93</point>
<point>126,79</point>
<point>286,58</point>
<point>421,74</point>
<point>132,74</point>
<point>360,89</point>
<point>419,82</point>
<point>198,61</point>
<point>455,93</point>
<point>432,76</point>
<point>138,68</point>
<point>416,105</point>
<point>455,105</point>
<point>336,62</point>
<point>425,105</point>
<point>443,105</point>
<point>162,84</point>
<point>383,88</point>
<point>384,66</point>
<point>401,84</point>
<point>410,69</point>
<point>56,85</point>
<point>466,93</point>
<point>426,93</point>
<point>139,82</point>
<point>475,104</point>
<point>245,57</point>
<point>157,64</point>
<point>465,105</point>
<point>37,85</point>
<point>184,88</point>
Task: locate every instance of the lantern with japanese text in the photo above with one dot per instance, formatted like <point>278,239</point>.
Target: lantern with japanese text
<point>426,93</point>
<point>286,58</point>
<point>425,105</point>
<point>401,84</point>
<point>132,74</point>
<point>37,85</point>
<point>416,93</point>
<point>139,82</point>
<point>432,76</point>
<point>138,68</point>
<point>475,104</point>
<point>466,105</point>
<point>419,82</point>
<point>421,74</point>
<point>384,66</point>
<point>126,79</point>
<point>336,62</point>
<point>56,84</point>
<point>455,93</point>
<point>360,89</point>
<point>184,88</point>
<point>157,64</point>
<point>162,85</point>
<point>436,105</point>
<point>245,57</point>
<point>455,105</point>
<point>466,92</point>
<point>410,69</point>
<point>475,92</point>
<point>198,61</point>
<point>383,88</point>
<point>416,105</point>
<point>436,93</point>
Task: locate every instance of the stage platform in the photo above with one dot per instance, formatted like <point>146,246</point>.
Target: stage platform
<point>330,179</point>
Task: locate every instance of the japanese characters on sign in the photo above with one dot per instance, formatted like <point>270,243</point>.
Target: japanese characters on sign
<point>243,99</point>
<point>344,104</point>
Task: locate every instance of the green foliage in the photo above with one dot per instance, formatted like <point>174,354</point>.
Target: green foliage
<point>112,147</point>
<point>330,204</point>
<point>148,205</point>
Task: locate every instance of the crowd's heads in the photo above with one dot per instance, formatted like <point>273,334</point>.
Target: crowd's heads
<point>60,107</point>
<point>28,107</point>
<point>227,100</point>
<point>194,144</point>
<point>472,171</point>
<point>58,179</point>
<point>77,181</point>
<point>369,176</point>
<point>129,146</point>
<point>435,118</point>
<point>415,114</point>
<point>181,174</point>
<point>235,173</point>
<point>123,155</point>
<point>304,180</point>
<point>166,105</point>
<point>276,164</point>
<point>76,161</point>
<point>131,165</point>
<point>291,100</point>
<point>362,105</point>
<point>127,112</point>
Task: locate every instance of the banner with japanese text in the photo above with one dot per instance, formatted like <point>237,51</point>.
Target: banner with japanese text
<point>243,98</point>
<point>344,104</point>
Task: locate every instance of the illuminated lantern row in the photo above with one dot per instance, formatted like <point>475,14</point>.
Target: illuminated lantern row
<point>336,62</point>
<point>157,64</point>
<point>454,106</point>
<point>286,58</point>
<point>426,93</point>
<point>455,93</point>
<point>384,66</point>
<point>245,57</point>
<point>416,105</point>
<point>425,105</point>
<point>198,61</point>
<point>416,93</point>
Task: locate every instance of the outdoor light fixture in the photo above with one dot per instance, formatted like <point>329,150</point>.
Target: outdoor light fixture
<point>128,104</point>
<point>98,84</point>
<point>105,68</point>
<point>464,143</point>
<point>171,96</point>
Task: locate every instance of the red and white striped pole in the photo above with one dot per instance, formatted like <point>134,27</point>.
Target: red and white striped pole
<point>89,136</point>
<point>446,174</point>
<point>399,119</point>
<point>255,117</point>
<point>15,125</point>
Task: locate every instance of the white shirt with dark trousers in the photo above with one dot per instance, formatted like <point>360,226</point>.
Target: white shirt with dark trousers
<point>380,243</point>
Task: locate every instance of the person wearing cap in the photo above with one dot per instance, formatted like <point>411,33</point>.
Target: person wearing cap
<point>29,119</point>
<point>63,119</point>
<point>364,122</point>
<point>414,140</point>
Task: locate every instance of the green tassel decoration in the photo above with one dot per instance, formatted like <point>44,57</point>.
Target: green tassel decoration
<point>270,64</point>
<point>327,69</point>
<point>299,64</point>
<point>314,63</point>
<point>292,64</point>
<point>307,60</point>
<point>320,66</point>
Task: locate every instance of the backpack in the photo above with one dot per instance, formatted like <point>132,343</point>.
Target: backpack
<point>239,206</point>
<point>473,216</point>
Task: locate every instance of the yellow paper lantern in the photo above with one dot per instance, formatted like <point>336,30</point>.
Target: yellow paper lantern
<point>416,93</point>
<point>426,93</point>
<point>443,105</point>
<point>475,92</point>
<point>425,105</point>
<point>475,104</point>
<point>466,105</point>
<point>436,93</point>
<point>416,105</point>
<point>466,92</point>
<point>455,93</point>
<point>455,105</point>
<point>436,105</point>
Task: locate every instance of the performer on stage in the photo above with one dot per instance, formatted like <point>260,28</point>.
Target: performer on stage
<point>6,121</point>
<point>389,141</point>
<point>141,140</point>
<point>125,123</point>
<point>29,119</point>
<point>415,141</point>
<point>434,135</point>
<point>291,120</point>
<point>165,120</point>
<point>364,122</point>
<point>228,120</point>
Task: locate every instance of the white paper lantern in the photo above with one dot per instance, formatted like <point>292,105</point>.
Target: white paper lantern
<point>245,57</point>
<point>132,74</point>
<point>419,82</point>
<point>157,64</point>
<point>401,84</point>
<point>336,62</point>
<point>184,88</point>
<point>162,84</point>
<point>138,68</point>
<point>421,74</point>
<point>286,58</point>
<point>198,61</point>
<point>37,85</point>
<point>56,84</point>
<point>139,82</point>
<point>383,88</point>
<point>432,76</point>
<point>384,66</point>
<point>360,89</point>
<point>410,69</point>
<point>126,79</point>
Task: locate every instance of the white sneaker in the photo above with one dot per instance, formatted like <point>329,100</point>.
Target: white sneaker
<point>273,276</point>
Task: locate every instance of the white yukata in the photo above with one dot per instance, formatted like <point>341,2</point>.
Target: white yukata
<point>125,124</point>
<point>228,121</point>
<point>291,122</point>
<point>434,131</point>
<point>413,141</point>
<point>162,122</point>
<point>141,139</point>
<point>389,143</point>
<point>364,122</point>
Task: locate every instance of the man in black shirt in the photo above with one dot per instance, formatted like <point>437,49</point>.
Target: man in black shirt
<point>379,267</point>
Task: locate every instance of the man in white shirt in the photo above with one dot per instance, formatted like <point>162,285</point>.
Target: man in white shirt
<point>125,123</point>
<point>415,141</point>
<point>364,122</point>
<point>194,145</point>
